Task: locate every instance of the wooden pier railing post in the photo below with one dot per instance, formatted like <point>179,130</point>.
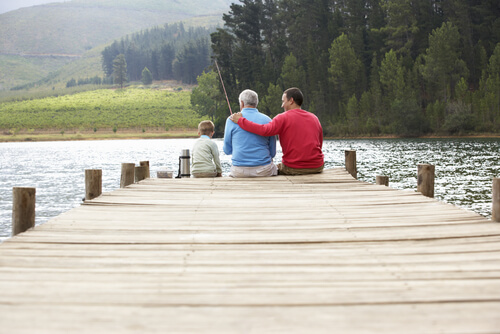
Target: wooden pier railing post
<point>382,180</point>
<point>93,183</point>
<point>425,179</point>
<point>128,174</point>
<point>495,210</point>
<point>140,173</point>
<point>23,209</point>
<point>350,163</point>
<point>146,164</point>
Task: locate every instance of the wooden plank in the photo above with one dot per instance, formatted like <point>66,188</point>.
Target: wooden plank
<point>316,253</point>
<point>420,318</point>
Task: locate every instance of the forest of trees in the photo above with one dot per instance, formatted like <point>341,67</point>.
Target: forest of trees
<point>366,67</point>
<point>170,52</point>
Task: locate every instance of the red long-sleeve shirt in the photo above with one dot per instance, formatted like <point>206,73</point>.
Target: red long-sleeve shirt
<point>300,134</point>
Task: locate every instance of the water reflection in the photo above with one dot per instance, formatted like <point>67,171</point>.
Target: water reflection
<point>464,168</point>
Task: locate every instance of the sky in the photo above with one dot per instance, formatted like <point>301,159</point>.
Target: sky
<point>8,5</point>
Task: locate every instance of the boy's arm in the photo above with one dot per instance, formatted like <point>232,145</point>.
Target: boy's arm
<point>215,154</point>
<point>228,144</point>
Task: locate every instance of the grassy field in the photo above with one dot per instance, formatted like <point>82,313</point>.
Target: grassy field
<point>100,114</point>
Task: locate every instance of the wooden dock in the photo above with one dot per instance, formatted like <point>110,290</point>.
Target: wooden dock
<point>305,254</point>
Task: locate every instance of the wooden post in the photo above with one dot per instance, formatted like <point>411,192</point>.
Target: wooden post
<point>23,209</point>
<point>350,163</point>
<point>93,183</point>
<point>495,210</point>
<point>425,180</point>
<point>128,174</point>
<point>140,173</point>
<point>146,164</point>
<point>382,180</point>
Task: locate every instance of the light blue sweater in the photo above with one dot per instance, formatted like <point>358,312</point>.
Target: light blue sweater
<point>249,149</point>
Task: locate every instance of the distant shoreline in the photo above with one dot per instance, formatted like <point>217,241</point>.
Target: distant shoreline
<point>74,135</point>
<point>486,135</point>
<point>108,134</point>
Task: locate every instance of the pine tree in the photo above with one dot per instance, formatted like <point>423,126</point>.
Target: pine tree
<point>120,70</point>
<point>392,76</point>
<point>292,75</point>
<point>443,66</point>
<point>244,22</point>
<point>401,25</point>
<point>345,68</point>
<point>108,56</point>
<point>147,77</point>
<point>167,56</point>
<point>392,82</point>
<point>223,44</point>
<point>376,92</point>
<point>274,38</point>
<point>134,62</point>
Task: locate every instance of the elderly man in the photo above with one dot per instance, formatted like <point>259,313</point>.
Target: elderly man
<point>252,155</point>
<point>300,134</point>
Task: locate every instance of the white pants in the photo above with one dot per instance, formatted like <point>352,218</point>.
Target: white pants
<point>254,171</point>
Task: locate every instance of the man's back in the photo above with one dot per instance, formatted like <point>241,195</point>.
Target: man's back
<point>249,149</point>
<point>301,138</point>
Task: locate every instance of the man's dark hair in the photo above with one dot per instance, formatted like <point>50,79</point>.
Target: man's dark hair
<point>296,94</point>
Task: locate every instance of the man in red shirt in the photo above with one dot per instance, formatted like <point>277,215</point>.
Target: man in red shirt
<point>300,135</point>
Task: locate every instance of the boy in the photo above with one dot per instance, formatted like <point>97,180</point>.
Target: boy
<point>205,158</point>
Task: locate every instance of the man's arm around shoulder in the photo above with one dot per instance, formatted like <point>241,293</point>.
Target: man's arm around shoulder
<point>270,129</point>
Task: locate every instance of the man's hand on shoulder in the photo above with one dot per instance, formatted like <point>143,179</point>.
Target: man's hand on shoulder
<point>235,117</point>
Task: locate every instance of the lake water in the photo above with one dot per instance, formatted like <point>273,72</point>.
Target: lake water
<point>464,168</point>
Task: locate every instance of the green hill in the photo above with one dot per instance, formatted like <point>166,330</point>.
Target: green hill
<point>16,70</point>
<point>37,40</point>
<point>79,25</point>
<point>47,73</point>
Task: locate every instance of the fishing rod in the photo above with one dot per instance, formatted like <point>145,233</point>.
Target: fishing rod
<point>220,76</point>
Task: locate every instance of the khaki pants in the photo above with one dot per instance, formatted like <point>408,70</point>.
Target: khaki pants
<point>285,170</point>
<point>212,174</point>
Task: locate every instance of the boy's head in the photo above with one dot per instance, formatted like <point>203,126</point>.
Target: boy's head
<point>206,128</point>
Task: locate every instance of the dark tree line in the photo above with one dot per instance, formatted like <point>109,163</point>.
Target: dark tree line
<point>96,80</point>
<point>402,67</point>
<point>170,52</point>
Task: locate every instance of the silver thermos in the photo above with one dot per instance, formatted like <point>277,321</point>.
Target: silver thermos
<point>184,164</point>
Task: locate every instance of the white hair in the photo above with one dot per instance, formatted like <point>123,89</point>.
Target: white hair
<point>249,98</point>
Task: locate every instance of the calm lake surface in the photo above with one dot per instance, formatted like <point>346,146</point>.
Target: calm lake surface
<point>464,168</point>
